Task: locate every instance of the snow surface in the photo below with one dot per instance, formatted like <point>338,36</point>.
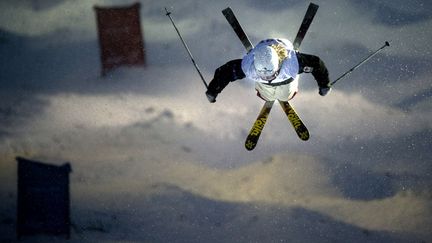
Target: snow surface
<point>153,161</point>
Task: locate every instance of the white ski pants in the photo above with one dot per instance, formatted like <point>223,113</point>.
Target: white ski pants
<point>283,92</point>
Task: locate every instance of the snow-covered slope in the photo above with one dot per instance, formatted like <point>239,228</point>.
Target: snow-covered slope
<point>143,171</point>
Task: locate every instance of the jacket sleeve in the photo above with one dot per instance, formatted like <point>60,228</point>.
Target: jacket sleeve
<point>313,64</point>
<point>229,72</point>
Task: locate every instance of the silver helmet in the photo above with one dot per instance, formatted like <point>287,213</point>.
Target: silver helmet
<point>266,62</point>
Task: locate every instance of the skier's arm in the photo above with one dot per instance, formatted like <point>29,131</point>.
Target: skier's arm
<point>313,64</point>
<point>226,73</point>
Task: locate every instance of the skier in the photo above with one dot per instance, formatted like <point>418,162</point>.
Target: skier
<point>274,65</point>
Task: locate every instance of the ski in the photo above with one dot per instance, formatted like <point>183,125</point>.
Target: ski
<point>258,126</point>
<point>232,20</point>
<point>295,120</point>
<point>307,20</point>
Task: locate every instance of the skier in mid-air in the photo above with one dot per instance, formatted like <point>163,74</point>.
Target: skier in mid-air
<point>274,65</point>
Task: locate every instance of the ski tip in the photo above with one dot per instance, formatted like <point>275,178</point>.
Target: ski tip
<point>314,6</point>
<point>303,135</point>
<point>387,43</point>
<point>249,145</point>
<point>226,10</point>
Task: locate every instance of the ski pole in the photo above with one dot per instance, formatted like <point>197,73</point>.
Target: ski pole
<point>187,48</point>
<point>360,63</point>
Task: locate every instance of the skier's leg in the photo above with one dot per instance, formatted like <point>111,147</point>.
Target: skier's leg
<point>313,64</point>
<point>287,91</point>
<point>283,92</point>
<point>265,92</point>
<point>226,73</point>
